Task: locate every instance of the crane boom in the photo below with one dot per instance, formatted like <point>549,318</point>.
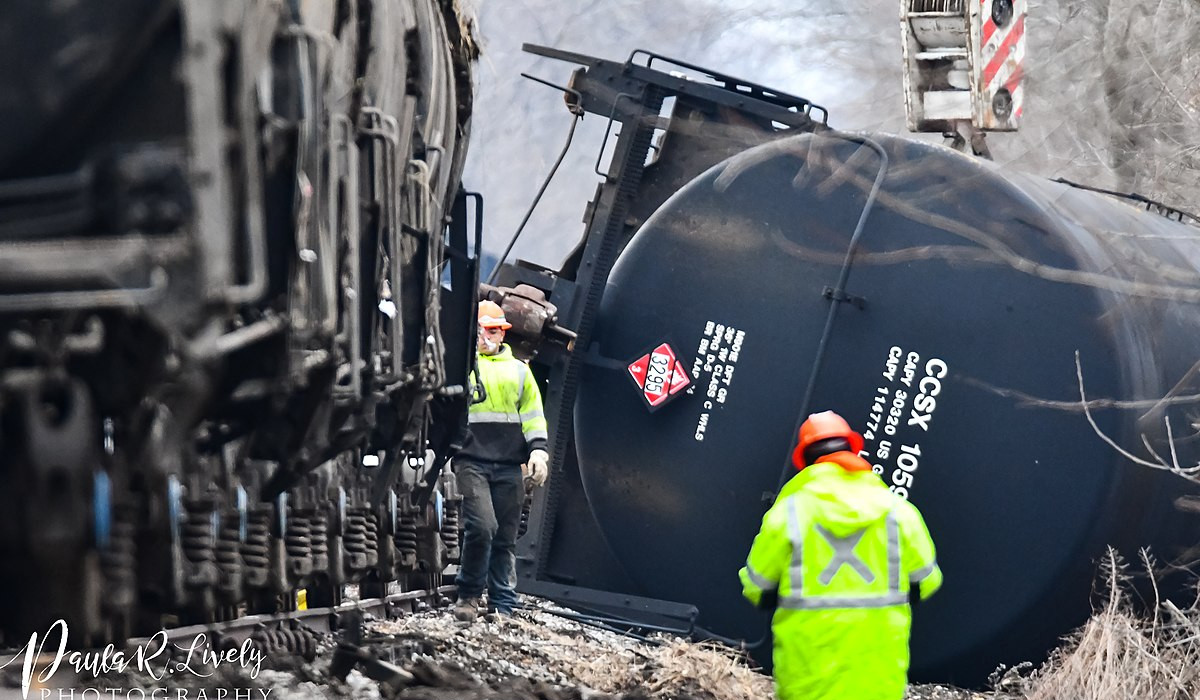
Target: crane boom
<point>963,67</point>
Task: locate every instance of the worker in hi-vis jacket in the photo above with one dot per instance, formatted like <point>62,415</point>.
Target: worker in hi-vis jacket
<point>506,443</point>
<point>837,558</point>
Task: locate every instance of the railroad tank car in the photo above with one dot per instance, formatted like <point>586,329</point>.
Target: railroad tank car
<point>960,314</point>
<point>235,328</point>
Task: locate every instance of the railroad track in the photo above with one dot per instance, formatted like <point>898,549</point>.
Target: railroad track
<point>325,619</point>
<point>229,633</point>
<point>298,633</point>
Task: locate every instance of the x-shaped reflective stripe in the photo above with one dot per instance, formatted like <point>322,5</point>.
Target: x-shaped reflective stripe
<point>843,554</point>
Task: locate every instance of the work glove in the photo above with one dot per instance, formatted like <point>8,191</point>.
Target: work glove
<point>537,468</point>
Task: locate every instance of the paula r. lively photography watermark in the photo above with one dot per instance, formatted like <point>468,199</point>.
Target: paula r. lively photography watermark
<point>165,664</point>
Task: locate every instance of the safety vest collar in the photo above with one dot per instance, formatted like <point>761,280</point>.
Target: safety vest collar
<point>825,469</point>
<point>505,353</point>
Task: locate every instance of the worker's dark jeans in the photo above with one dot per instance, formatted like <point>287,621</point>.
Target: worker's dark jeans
<point>493,494</point>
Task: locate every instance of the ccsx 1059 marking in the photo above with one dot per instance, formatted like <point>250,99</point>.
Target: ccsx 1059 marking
<point>890,416</point>
<point>929,386</point>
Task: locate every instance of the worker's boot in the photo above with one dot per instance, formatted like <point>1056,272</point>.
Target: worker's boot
<point>466,609</point>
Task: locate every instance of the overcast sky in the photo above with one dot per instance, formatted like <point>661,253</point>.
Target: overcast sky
<point>519,126</point>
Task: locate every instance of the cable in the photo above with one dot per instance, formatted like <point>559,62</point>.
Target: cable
<point>696,632</point>
<point>840,290</point>
<point>701,635</point>
<point>546,183</point>
<point>600,622</point>
<point>609,620</point>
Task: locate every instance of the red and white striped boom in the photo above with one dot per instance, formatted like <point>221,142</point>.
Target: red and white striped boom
<point>963,64</point>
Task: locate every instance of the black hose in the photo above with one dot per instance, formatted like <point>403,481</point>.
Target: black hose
<point>600,622</point>
<point>581,617</point>
<point>529,212</point>
<point>702,635</point>
<point>839,291</point>
<point>696,632</point>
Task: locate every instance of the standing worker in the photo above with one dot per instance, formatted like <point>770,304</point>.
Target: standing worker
<point>837,558</point>
<point>506,443</point>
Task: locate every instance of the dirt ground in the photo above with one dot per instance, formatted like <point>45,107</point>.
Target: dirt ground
<point>536,654</point>
<point>539,655</point>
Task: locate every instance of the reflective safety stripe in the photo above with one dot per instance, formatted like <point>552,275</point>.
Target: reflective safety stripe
<point>760,580</point>
<point>521,382</point>
<point>843,554</point>
<point>536,434</point>
<point>922,573</point>
<point>893,547</point>
<point>794,602</point>
<point>530,415</point>
<point>493,417</point>
<point>796,535</point>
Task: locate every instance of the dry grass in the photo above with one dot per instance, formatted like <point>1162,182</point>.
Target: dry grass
<point>1120,654</point>
<point>682,667</point>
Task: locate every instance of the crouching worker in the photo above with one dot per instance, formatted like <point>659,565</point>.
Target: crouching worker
<point>506,443</point>
<point>836,558</point>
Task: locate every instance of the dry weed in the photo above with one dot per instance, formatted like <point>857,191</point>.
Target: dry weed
<point>1120,654</point>
<point>680,667</point>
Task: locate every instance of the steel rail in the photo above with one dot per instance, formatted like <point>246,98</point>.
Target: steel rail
<point>324,619</point>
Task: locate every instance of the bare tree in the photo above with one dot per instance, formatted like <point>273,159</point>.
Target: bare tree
<point>1113,90</point>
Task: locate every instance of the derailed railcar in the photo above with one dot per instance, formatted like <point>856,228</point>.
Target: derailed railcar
<point>222,247</point>
<point>756,266</point>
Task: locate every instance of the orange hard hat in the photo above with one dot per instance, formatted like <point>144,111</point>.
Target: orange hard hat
<point>822,426</point>
<point>492,316</point>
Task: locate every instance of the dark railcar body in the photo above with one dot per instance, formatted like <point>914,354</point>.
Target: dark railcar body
<point>972,290</point>
<point>946,330</point>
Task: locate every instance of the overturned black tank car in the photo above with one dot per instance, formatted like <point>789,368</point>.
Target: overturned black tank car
<point>745,265</point>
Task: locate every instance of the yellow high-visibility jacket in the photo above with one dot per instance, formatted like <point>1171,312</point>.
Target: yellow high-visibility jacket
<point>841,551</point>
<point>509,422</point>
